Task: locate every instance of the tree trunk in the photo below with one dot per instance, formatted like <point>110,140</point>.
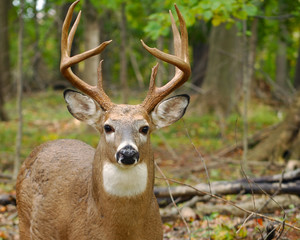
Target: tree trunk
<point>284,142</point>
<point>19,91</point>
<point>123,55</point>
<point>200,47</point>
<point>281,61</point>
<point>162,73</point>
<point>224,72</point>
<point>4,56</point>
<point>248,66</point>
<point>252,48</point>
<point>36,80</point>
<point>297,72</point>
<point>200,58</point>
<point>136,70</point>
<point>91,40</point>
<point>281,77</point>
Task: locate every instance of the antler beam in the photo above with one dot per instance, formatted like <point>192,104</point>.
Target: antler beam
<point>180,60</point>
<point>96,92</point>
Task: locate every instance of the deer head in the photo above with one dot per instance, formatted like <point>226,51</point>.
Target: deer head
<point>126,128</point>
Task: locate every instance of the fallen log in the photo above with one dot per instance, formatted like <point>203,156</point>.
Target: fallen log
<point>279,203</point>
<point>227,188</point>
<point>5,176</point>
<point>289,183</point>
<point>202,209</point>
<point>6,199</point>
<point>286,177</point>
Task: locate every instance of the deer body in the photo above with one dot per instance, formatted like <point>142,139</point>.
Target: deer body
<point>85,210</point>
<point>88,206</point>
<point>68,190</point>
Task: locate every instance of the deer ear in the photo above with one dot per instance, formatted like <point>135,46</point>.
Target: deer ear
<point>82,107</point>
<point>169,110</point>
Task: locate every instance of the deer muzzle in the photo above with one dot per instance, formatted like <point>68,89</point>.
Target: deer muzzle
<point>127,155</point>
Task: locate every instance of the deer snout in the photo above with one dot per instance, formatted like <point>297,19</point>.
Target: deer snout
<point>127,155</point>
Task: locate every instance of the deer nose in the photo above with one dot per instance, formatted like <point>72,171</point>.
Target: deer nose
<point>127,155</point>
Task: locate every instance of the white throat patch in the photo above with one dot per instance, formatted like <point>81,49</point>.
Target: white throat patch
<point>125,182</point>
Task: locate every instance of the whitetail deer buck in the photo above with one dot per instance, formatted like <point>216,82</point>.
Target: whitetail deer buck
<point>68,190</point>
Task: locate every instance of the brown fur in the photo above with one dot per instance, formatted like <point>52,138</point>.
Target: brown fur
<point>60,193</point>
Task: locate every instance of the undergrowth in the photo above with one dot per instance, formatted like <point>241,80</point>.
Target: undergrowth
<point>47,118</point>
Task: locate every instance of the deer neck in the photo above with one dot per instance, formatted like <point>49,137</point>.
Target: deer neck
<point>130,190</point>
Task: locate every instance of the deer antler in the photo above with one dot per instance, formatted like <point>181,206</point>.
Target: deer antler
<point>180,60</point>
<point>96,92</point>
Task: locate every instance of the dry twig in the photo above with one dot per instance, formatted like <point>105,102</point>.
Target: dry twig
<point>232,203</point>
<point>171,196</point>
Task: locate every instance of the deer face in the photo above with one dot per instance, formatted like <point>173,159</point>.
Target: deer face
<point>125,129</point>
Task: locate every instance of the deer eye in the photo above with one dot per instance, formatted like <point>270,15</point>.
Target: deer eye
<point>108,128</point>
<point>144,130</point>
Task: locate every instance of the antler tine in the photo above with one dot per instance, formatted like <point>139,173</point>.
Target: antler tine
<point>185,43</point>
<point>96,92</point>
<point>180,60</point>
<point>176,38</point>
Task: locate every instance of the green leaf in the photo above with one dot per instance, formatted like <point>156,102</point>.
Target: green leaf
<point>207,15</point>
<point>240,14</point>
<point>154,29</point>
<point>215,5</point>
<point>250,9</point>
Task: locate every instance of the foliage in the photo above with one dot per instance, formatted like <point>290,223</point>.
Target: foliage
<point>216,12</point>
<point>274,16</point>
<point>150,19</point>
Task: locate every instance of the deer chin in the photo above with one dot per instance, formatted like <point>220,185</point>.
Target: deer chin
<point>125,182</point>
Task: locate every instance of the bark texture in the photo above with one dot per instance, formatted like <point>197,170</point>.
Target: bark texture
<point>91,40</point>
<point>288,183</point>
<point>123,55</point>
<point>297,72</point>
<point>224,70</point>
<point>283,143</point>
<point>4,56</point>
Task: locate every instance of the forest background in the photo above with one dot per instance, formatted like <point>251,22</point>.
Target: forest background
<point>244,116</point>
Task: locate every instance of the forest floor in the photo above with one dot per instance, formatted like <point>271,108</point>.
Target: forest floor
<point>179,152</point>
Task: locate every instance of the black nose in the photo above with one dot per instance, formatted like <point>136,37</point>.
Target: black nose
<point>127,155</point>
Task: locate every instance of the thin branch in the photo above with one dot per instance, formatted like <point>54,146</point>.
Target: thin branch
<point>280,17</point>
<point>244,222</point>
<point>171,196</point>
<point>246,94</point>
<point>267,202</point>
<point>275,193</point>
<point>252,197</point>
<point>231,203</point>
<point>272,198</point>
